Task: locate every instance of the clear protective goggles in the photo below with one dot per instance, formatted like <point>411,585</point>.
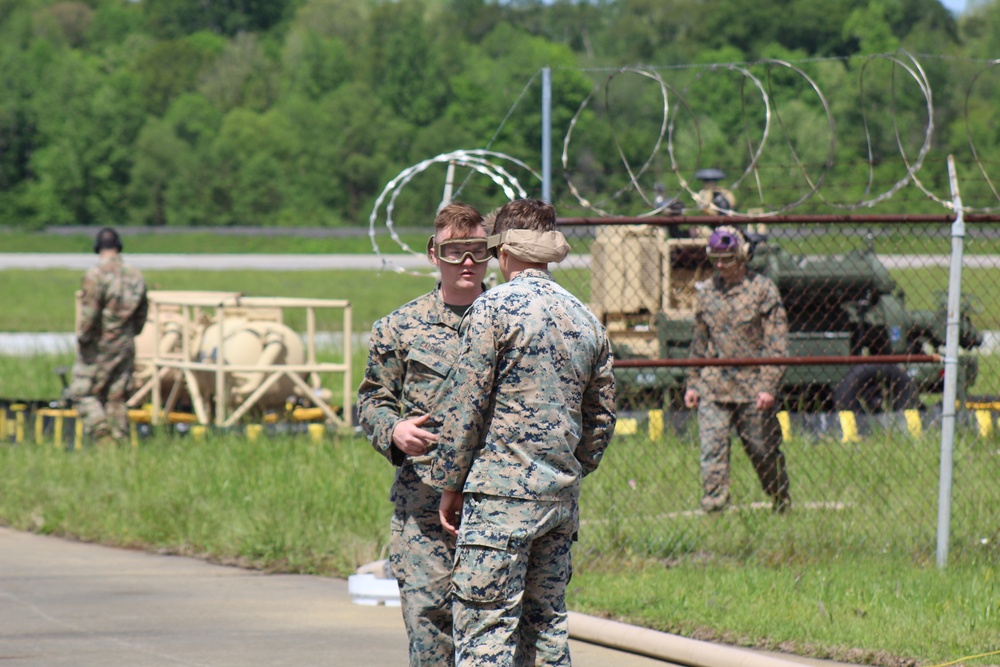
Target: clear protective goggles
<point>454,251</point>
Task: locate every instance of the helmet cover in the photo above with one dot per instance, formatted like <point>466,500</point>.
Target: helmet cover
<point>726,241</point>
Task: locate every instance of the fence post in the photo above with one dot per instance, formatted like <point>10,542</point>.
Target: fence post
<point>547,134</point>
<point>950,370</point>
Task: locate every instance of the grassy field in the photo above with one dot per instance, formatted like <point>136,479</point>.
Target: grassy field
<point>290,504</point>
<point>43,300</point>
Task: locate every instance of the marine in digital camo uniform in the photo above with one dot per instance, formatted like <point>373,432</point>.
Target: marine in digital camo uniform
<point>531,412</point>
<point>113,310</point>
<point>410,354</point>
<point>738,313</point>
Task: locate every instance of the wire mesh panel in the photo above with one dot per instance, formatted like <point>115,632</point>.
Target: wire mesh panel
<point>862,440</point>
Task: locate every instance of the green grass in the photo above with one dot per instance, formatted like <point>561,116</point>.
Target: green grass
<point>290,505</point>
<point>43,300</point>
<point>33,377</point>
<point>854,610</point>
<point>285,503</point>
<point>875,495</point>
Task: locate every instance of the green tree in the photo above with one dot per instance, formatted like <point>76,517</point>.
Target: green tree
<point>171,67</point>
<point>87,124</point>
<point>314,65</point>
<point>159,153</point>
<point>369,144</point>
<point>176,18</point>
<point>404,61</point>
<point>871,26</point>
<point>243,76</point>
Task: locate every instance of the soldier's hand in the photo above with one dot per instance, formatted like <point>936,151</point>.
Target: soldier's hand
<point>691,399</point>
<point>450,510</point>
<point>765,401</point>
<point>411,439</point>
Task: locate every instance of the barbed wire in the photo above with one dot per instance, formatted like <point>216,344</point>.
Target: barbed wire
<point>484,162</point>
<point>768,91</point>
<point>910,123</point>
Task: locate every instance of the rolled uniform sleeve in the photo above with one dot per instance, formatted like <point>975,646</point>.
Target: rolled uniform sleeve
<point>88,330</point>
<point>599,414</point>
<point>141,312</point>
<point>379,397</point>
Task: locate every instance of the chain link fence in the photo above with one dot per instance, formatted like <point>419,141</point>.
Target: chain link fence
<point>862,439</point>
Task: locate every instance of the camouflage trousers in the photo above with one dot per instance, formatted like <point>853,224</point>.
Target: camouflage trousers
<point>512,565</point>
<point>421,554</point>
<point>99,394</point>
<point>760,434</point>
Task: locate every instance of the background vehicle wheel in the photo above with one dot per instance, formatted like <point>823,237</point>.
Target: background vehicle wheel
<point>875,388</point>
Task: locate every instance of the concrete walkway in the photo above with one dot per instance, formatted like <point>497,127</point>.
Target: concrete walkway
<point>84,605</point>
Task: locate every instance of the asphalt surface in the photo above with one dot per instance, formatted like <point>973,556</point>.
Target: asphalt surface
<point>84,605</point>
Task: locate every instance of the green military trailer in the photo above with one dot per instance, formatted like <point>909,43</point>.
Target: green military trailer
<point>643,285</point>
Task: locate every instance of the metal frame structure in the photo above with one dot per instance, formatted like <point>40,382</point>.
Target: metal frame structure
<point>191,306</point>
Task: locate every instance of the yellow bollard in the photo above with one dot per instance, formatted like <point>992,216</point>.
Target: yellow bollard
<point>913,424</point>
<point>78,433</point>
<point>627,426</point>
<point>39,428</point>
<point>198,432</point>
<point>655,424</point>
<point>985,421</point>
<point>316,432</point>
<point>786,424</point>
<point>253,432</point>
<point>57,430</point>
<point>849,426</point>
<point>18,410</point>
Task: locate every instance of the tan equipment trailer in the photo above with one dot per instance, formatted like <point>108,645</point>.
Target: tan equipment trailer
<point>264,365</point>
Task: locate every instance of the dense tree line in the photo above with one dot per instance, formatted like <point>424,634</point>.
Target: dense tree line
<point>297,112</point>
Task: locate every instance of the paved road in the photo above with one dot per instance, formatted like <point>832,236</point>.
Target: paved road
<point>65,603</point>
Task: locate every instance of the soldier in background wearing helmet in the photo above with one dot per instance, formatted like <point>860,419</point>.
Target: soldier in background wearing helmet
<point>738,313</point>
<point>113,311</point>
<point>713,198</point>
<point>410,353</point>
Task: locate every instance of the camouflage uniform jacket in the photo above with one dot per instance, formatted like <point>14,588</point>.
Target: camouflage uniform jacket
<point>113,310</point>
<point>535,385</point>
<point>410,354</point>
<point>745,319</point>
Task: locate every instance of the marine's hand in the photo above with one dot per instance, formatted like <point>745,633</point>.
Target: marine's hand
<point>691,398</point>
<point>450,510</point>
<point>411,439</point>
<point>765,401</point>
